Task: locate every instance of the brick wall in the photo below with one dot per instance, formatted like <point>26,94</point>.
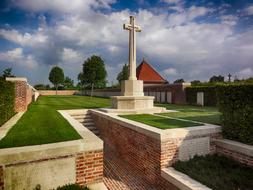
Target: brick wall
<point>20,96</point>
<point>59,92</point>
<point>1,178</point>
<point>89,167</point>
<point>177,92</point>
<point>23,93</point>
<point>139,152</point>
<point>240,157</point>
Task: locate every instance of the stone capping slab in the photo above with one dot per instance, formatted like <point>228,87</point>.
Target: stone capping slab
<point>182,181</point>
<point>89,142</point>
<point>235,146</point>
<point>160,134</point>
<point>4,129</point>
<point>97,186</point>
<point>16,79</point>
<point>38,152</point>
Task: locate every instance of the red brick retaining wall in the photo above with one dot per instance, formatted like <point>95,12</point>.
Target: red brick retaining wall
<point>23,96</point>
<point>59,92</point>
<point>139,152</point>
<point>237,156</point>
<point>89,167</point>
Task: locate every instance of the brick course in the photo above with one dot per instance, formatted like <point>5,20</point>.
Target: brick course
<point>89,167</point>
<point>239,157</point>
<point>140,153</point>
<point>20,96</point>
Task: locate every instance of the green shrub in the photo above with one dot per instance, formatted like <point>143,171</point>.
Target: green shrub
<point>72,187</point>
<point>236,105</point>
<point>7,98</point>
<point>209,95</point>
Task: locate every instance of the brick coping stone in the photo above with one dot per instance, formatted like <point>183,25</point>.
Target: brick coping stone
<point>235,146</point>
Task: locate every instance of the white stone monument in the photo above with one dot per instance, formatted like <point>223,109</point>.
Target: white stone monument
<point>132,99</point>
<point>200,98</point>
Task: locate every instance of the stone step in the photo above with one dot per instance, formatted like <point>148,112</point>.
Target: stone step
<point>88,124</point>
<point>83,120</point>
<point>91,128</point>
<point>96,132</point>
<point>78,116</point>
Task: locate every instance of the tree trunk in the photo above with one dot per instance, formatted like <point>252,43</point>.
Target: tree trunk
<point>92,85</point>
<point>56,87</point>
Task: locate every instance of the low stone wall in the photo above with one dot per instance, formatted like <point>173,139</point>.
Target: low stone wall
<point>147,149</point>
<point>103,93</point>
<point>59,92</point>
<point>55,164</point>
<point>166,93</point>
<point>238,151</point>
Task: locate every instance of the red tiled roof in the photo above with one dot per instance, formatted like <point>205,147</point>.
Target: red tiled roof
<point>148,74</point>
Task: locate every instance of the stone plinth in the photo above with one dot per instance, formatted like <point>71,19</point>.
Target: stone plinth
<point>133,105</point>
<point>132,102</point>
<point>132,88</point>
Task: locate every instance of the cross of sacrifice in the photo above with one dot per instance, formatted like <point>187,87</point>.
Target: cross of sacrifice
<point>132,46</point>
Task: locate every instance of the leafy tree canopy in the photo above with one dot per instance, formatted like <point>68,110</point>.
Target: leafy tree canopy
<point>179,81</point>
<point>124,73</point>
<point>7,73</point>
<point>56,76</point>
<point>94,73</point>
<point>68,82</point>
<point>215,79</point>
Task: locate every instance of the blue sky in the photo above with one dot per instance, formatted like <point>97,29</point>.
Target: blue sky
<point>181,39</point>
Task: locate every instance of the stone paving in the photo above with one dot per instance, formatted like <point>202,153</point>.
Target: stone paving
<point>117,175</point>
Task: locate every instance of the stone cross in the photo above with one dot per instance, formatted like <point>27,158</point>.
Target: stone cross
<point>132,46</point>
<point>229,77</point>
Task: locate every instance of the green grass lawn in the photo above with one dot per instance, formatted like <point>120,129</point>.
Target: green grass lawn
<point>202,114</point>
<point>42,124</point>
<point>217,172</point>
<point>159,122</point>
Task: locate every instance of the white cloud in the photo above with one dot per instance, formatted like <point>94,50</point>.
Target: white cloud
<point>245,73</point>
<point>249,10</point>
<point>17,58</point>
<point>173,41</point>
<point>62,6</point>
<point>171,1</point>
<point>170,71</point>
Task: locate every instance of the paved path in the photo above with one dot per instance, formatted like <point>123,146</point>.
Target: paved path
<point>117,175</point>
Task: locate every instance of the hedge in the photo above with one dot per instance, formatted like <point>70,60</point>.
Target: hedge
<point>235,102</point>
<point>7,98</point>
<point>209,95</point>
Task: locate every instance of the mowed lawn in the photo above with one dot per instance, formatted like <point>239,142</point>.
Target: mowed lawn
<point>42,124</point>
<point>160,122</point>
<point>200,114</point>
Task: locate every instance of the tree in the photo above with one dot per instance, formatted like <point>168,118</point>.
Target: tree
<point>56,76</point>
<point>179,81</point>
<point>7,73</point>
<point>68,83</point>
<point>215,79</point>
<point>195,82</point>
<point>94,73</point>
<point>124,73</point>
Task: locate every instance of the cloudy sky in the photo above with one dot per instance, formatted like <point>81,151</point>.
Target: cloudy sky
<point>181,39</point>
